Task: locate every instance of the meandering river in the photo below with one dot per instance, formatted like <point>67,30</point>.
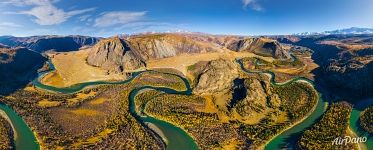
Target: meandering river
<point>355,125</point>
<point>173,136</point>
<point>288,138</point>
<point>24,137</point>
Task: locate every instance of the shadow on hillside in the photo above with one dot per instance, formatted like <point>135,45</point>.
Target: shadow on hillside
<point>327,84</point>
<point>351,86</point>
<point>239,92</point>
<point>18,72</point>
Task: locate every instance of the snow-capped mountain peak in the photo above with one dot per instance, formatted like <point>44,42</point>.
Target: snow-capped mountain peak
<point>352,30</point>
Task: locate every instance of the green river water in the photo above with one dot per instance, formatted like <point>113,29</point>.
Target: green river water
<point>288,138</point>
<point>24,137</point>
<point>355,126</point>
<point>175,137</point>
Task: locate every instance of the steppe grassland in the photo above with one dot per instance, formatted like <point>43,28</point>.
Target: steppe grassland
<point>72,68</point>
<point>182,62</point>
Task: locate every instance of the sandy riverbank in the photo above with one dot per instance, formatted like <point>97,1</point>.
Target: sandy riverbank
<point>157,130</point>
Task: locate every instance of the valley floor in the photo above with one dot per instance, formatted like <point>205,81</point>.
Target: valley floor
<point>182,62</point>
<point>71,68</point>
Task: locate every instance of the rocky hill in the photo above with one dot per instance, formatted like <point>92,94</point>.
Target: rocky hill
<point>221,41</point>
<point>260,46</point>
<point>216,76</point>
<point>45,43</point>
<point>132,52</point>
<point>156,46</point>
<point>18,67</point>
<point>115,55</point>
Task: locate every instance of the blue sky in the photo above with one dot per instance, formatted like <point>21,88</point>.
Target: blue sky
<point>241,17</point>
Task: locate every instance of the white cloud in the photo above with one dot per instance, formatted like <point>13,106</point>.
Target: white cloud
<point>45,12</point>
<point>118,18</point>
<point>50,15</point>
<point>246,2</point>
<point>137,27</point>
<point>252,4</point>
<point>29,2</point>
<point>143,25</point>
<point>9,24</point>
<point>84,18</point>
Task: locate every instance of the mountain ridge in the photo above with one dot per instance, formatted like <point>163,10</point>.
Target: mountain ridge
<point>115,55</point>
<point>345,31</point>
<point>49,42</point>
<point>18,67</point>
<point>121,55</point>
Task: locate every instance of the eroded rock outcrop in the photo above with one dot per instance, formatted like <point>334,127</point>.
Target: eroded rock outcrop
<point>237,95</point>
<point>259,96</point>
<point>156,46</point>
<point>115,55</point>
<point>260,46</point>
<point>217,76</point>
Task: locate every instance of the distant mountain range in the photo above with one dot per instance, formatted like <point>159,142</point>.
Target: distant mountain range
<point>348,31</point>
<point>49,42</point>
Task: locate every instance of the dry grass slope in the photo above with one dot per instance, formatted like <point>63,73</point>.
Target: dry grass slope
<point>71,68</point>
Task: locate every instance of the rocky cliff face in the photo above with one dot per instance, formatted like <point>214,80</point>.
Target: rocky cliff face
<point>45,43</point>
<point>217,76</point>
<point>260,46</point>
<point>115,55</point>
<point>255,96</point>
<point>156,46</point>
<point>17,68</point>
<point>247,96</point>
